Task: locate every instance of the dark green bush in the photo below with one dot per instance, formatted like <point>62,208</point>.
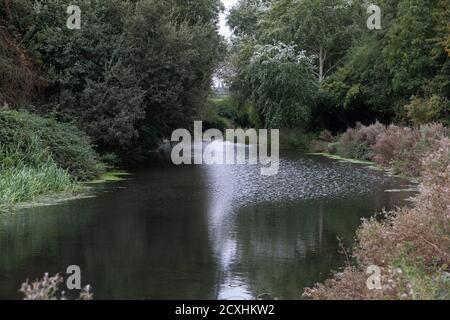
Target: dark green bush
<point>355,150</point>
<point>430,110</point>
<point>68,147</point>
<point>133,73</point>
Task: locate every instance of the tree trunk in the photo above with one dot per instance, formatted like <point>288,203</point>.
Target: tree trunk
<point>322,59</point>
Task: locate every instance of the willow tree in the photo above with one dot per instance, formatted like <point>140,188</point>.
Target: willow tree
<point>282,84</point>
<point>323,28</point>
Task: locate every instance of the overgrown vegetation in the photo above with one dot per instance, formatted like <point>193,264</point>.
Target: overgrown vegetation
<point>48,288</point>
<point>20,79</point>
<point>138,69</point>
<point>29,136</point>
<point>134,72</point>
<point>40,156</point>
<point>400,149</point>
<point>226,111</point>
<point>399,74</point>
<point>411,245</point>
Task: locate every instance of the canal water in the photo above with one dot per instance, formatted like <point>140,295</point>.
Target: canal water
<point>201,232</point>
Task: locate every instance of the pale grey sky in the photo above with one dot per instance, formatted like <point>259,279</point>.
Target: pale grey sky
<point>224,30</point>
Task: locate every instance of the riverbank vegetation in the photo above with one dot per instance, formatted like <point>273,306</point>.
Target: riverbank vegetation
<point>39,156</point>
<point>410,245</point>
<point>48,288</point>
<point>396,148</point>
<point>334,86</point>
<point>134,72</point>
<point>308,65</point>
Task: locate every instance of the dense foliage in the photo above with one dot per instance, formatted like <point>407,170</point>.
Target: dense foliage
<point>40,156</point>
<point>135,70</point>
<point>35,137</point>
<point>274,76</point>
<point>399,149</point>
<point>399,73</point>
<point>20,80</point>
<point>410,245</point>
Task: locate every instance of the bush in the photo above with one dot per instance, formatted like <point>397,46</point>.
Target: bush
<point>433,109</point>
<point>393,143</point>
<point>326,136</point>
<point>28,172</point>
<point>48,288</point>
<point>403,149</point>
<point>69,148</point>
<point>357,143</point>
<point>213,116</point>
<point>296,139</point>
<point>142,68</point>
<point>227,108</point>
<point>411,246</point>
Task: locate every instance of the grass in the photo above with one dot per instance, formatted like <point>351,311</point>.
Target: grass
<point>67,146</point>
<point>418,284</point>
<point>29,172</point>
<point>41,158</point>
<point>26,184</point>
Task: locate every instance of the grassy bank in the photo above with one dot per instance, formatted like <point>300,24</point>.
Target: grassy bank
<point>41,157</point>
<point>411,246</point>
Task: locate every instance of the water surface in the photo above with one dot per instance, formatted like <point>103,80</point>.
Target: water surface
<point>200,232</point>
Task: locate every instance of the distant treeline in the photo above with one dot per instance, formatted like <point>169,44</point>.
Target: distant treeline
<point>314,64</point>
<point>135,70</point>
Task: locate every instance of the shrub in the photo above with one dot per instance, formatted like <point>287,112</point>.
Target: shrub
<point>296,139</point>
<point>411,245</point>
<point>394,144</point>
<point>403,149</point>
<point>28,172</point>
<point>47,288</point>
<point>68,147</point>
<point>39,157</point>
<point>326,136</point>
<point>357,143</point>
<point>433,109</point>
<point>369,134</point>
<point>418,232</point>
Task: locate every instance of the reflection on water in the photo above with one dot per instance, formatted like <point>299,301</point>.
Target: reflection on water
<point>200,232</point>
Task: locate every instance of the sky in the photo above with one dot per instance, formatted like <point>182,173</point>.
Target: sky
<point>224,30</point>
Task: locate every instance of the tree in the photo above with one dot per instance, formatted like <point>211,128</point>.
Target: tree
<point>244,17</point>
<point>323,28</point>
<point>134,72</point>
<point>384,69</point>
<point>282,84</point>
